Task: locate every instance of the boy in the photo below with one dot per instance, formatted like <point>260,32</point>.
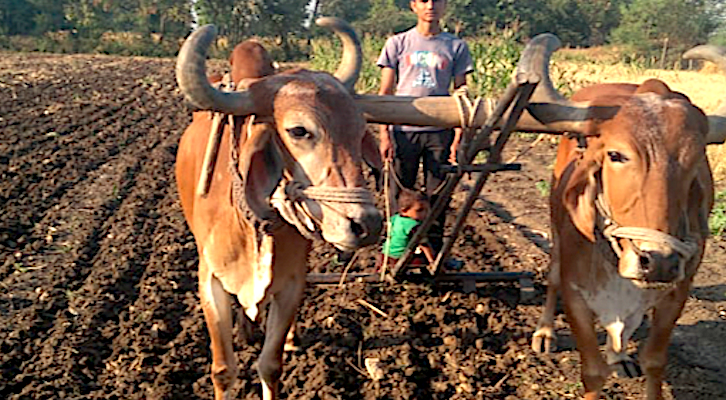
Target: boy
<point>425,60</point>
<point>413,207</point>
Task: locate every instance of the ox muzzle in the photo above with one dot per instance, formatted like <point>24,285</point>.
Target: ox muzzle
<point>650,258</point>
<point>344,217</point>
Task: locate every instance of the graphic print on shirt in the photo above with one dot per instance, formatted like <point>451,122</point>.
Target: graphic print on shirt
<point>425,61</point>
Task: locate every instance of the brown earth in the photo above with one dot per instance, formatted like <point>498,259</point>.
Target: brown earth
<point>98,289</point>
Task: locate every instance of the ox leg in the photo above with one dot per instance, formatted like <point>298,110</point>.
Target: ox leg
<point>655,353</point>
<point>594,370</point>
<point>282,311</point>
<point>544,338</point>
<point>218,315</point>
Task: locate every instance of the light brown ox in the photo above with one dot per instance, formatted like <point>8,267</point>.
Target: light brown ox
<point>629,212</point>
<point>292,173</point>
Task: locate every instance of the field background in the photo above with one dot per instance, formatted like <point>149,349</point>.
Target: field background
<point>98,282</point>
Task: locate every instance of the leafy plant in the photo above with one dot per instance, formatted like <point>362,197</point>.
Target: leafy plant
<point>543,187</point>
<point>495,57</point>
<point>326,54</point>
<point>717,221</point>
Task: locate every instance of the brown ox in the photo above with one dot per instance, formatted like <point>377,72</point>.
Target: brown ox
<point>289,173</point>
<point>629,209</point>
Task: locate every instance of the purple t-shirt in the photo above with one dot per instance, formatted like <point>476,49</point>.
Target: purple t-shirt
<point>425,65</point>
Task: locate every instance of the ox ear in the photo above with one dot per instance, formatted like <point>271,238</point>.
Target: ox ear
<point>261,166</point>
<point>579,197</point>
<point>372,157</point>
<point>370,151</point>
<point>660,88</point>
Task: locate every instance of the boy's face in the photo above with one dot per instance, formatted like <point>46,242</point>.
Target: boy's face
<point>418,211</point>
<point>429,10</point>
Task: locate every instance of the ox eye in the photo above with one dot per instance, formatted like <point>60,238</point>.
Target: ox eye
<point>299,132</point>
<point>617,157</point>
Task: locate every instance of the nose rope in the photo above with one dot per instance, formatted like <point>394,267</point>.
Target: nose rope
<point>290,201</point>
<point>612,231</point>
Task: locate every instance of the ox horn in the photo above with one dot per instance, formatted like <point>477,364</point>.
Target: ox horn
<point>350,63</point>
<point>548,111</point>
<point>717,121</point>
<point>191,74</point>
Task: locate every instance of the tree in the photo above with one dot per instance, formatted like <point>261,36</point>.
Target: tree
<point>163,17</point>
<point>647,26</point>
<point>468,17</point>
<point>601,17</point>
<point>575,22</point>
<point>16,17</point>
<point>386,17</point>
<point>352,11</point>
<point>89,17</point>
<point>50,15</point>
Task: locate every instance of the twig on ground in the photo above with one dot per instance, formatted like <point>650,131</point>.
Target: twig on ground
<point>372,307</point>
<point>347,267</point>
<point>526,150</point>
<point>360,371</point>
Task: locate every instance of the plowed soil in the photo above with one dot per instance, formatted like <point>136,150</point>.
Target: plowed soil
<point>98,282</point>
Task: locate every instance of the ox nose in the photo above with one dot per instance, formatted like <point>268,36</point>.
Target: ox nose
<point>367,228</point>
<point>659,267</point>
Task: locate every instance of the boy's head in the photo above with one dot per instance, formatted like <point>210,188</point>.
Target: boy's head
<point>413,204</point>
<point>430,11</point>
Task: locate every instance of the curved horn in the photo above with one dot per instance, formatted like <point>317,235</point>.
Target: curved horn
<point>350,63</point>
<point>717,121</point>
<point>547,106</point>
<point>191,74</point>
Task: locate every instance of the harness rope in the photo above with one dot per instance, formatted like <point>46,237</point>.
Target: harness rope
<point>387,200</point>
<point>612,231</point>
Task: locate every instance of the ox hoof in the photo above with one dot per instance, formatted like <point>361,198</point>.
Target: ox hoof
<point>543,341</point>
<point>290,347</point>
<point>627,369</point>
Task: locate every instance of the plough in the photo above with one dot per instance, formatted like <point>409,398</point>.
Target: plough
<point>503,118</point>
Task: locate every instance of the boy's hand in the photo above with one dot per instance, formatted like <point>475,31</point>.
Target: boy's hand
<point>455,146</point>
<point>453,150</point>
<point>386,147</point>
<point>428,252</point>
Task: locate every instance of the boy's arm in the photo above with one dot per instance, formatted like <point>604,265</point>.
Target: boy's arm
<point>428,252</point>
<point>388,79</point>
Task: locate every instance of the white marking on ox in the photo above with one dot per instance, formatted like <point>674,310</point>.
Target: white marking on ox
<point>619,304</point>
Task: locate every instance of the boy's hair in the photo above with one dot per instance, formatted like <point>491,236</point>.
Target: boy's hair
<point>408,198</point>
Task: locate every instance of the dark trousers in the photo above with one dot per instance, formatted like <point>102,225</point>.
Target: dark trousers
<point>433,148</point>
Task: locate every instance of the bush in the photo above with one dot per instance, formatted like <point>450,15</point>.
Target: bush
<point>717,220</point>
<point>495,58</point>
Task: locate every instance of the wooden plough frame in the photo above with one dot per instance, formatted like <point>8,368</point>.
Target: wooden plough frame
<point>513,102</point>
